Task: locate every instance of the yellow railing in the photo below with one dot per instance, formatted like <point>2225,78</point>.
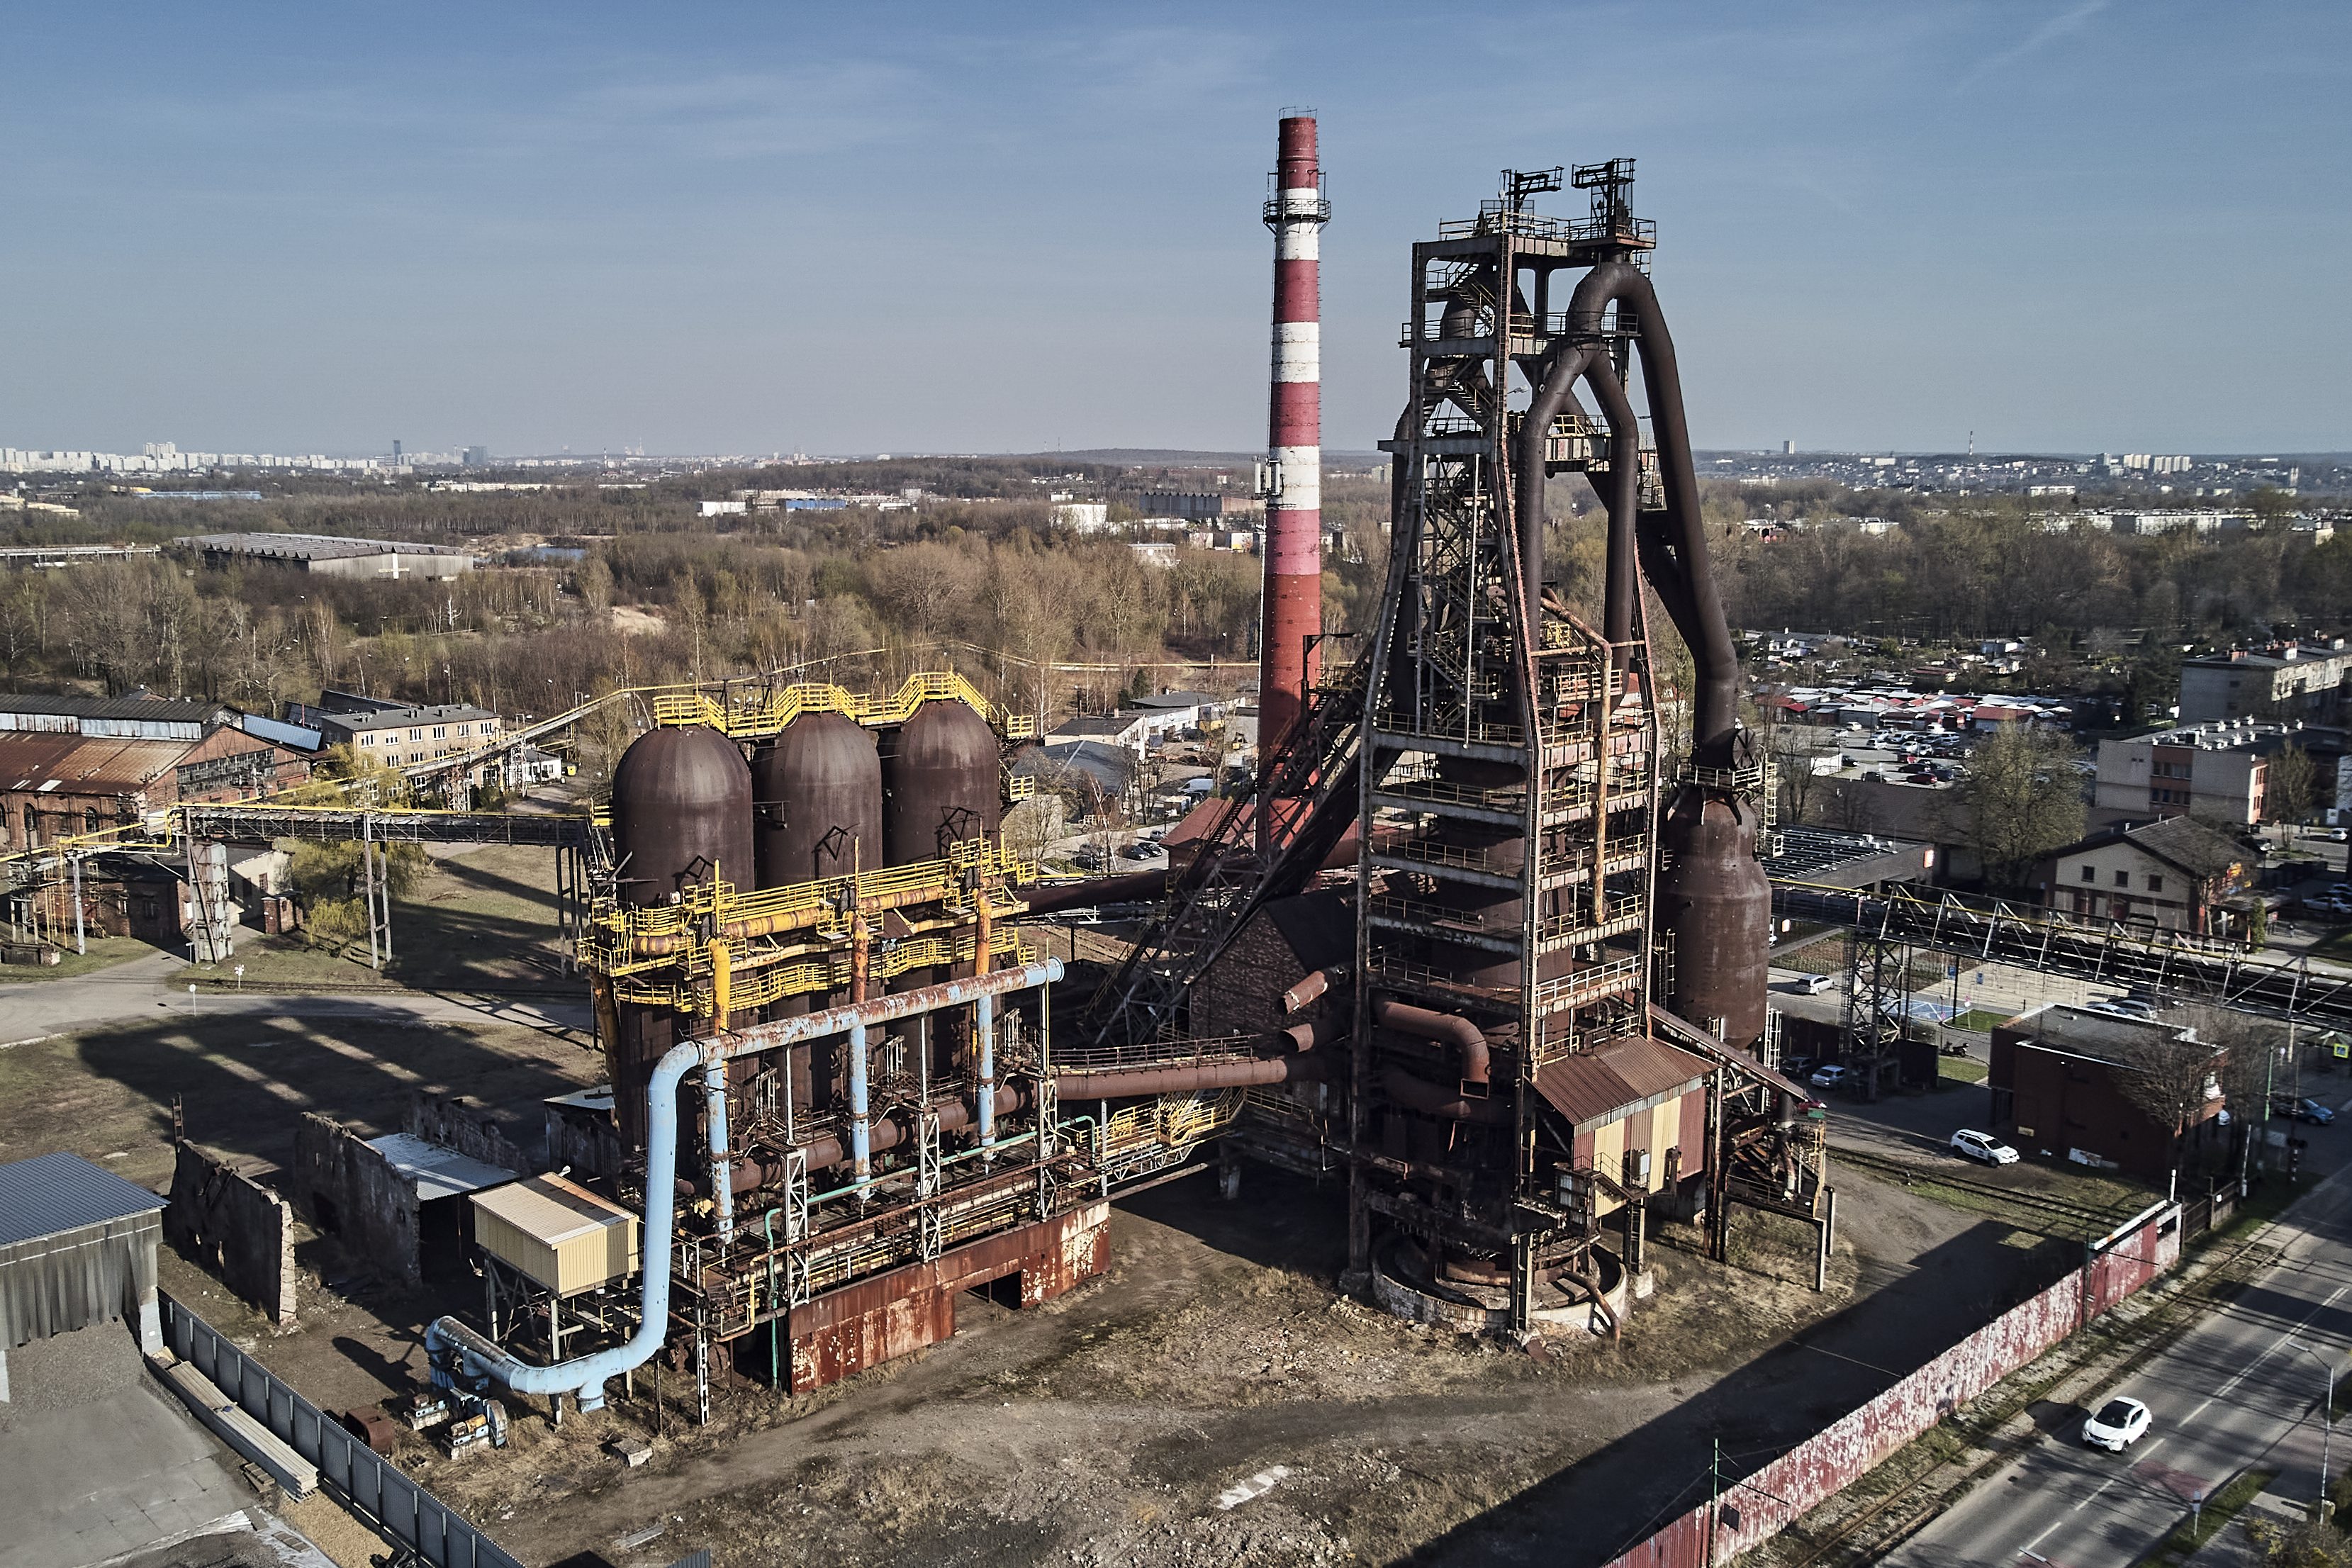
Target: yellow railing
<point>753,714</point>
<point>749,986</point>
<point>625,939</point>
<point>1171,1121</point>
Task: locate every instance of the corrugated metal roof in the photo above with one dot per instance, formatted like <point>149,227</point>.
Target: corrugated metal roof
<point>551,1210</point>
<point>64,1192</point>
<point>86,764</point>
<point>438,1172</point>
<point>1611,1079</point>
<point>167,710</point>
<point>310,546</point>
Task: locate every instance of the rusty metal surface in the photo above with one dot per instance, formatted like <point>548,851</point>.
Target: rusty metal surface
<point>1842,1453</point>
<point>816,793</point>
<point>939,783</point>
<point>898,1313</point>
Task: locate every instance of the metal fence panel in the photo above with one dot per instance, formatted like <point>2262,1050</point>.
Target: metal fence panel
<point>373,1485</point>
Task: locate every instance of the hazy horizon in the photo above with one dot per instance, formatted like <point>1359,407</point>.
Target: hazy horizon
<point>915,228</point>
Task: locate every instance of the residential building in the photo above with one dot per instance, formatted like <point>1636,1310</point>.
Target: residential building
<point>1191,506</point>
<point>403,737</point>
<point>2172,522</point>
<point>2063,1086</point>
<point>1127,729</point>
<point>2283,681</point>
<point>331,556</point>
<point>2176,874</point>
<point>2218,771</point>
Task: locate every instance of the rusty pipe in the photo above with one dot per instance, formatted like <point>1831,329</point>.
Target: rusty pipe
<point>1125,1083</point>
<point>1419,1094</point>
<point>1446,1028</point>
<point>1309,991</point>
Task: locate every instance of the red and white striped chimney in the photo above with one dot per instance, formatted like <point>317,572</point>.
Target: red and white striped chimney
<point>1293,615</point>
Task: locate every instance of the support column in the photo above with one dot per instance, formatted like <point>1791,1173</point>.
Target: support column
<point>1828,1239</point>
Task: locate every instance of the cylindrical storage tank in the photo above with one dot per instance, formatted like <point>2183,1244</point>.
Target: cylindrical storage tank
<point>816,793</point>
<point>939,783</point>
<point>681,818</point>
<point>1716,900</point>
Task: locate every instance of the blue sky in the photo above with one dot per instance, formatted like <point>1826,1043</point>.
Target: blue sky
<point>700,228</point>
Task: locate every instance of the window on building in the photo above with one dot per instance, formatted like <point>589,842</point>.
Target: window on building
<point>2155,884</point>
<point>367,739</point>
<point>440,732</point>
<point>416,734</point>
<point>465,728</point>
<point>2090,873</point>
<point>2123,878</point>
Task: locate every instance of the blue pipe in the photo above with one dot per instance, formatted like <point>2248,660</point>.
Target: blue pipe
<point>861,1126</point>
<point>985,1027</point>
<point>722,1173</point>
<point>456,1350</point>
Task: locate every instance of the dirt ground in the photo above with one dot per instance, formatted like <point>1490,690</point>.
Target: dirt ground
<point>1106,1427</point>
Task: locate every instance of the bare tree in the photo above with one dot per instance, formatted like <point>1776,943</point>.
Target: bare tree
<point>2168,1079</point>
<point>2022,797</point>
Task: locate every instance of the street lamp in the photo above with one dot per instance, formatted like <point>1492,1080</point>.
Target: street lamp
<point>2326,1419</point>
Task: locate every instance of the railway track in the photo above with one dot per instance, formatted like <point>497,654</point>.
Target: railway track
<point>2096,1221</point>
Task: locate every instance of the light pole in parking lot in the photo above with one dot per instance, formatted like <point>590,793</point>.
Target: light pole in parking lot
<point>2326,1419</point>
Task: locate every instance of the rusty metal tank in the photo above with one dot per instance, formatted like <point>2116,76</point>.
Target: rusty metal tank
<point>681,817</point>
<point>1715,899</point>
<point>816,801</point>
<point>939,783</point>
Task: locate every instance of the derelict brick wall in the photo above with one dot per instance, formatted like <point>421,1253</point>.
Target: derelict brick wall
<point>224,1217</point>
<point>1242,992</point>
<point>470,1127</point>
<point>353,1195</point>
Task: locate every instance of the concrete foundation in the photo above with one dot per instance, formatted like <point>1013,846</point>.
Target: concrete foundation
<point>1401,1287</point>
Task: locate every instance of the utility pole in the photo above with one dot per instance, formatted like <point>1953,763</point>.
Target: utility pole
<point>2327,1421</point>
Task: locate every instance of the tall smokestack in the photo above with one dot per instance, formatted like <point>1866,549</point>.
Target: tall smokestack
<point>1297,212</point>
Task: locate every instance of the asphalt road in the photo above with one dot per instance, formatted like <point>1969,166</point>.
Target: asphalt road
<point>2236,1391</point>
<point>145,988</point>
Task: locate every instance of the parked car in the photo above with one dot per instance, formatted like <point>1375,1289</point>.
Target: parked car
<point>1796,1068</point>
<point>1813,984</point>
<point>2338,835</point>
<point>2301,1107</point>
<point>1983,1148</point>
<point>1140,850</point>
<point>1831,1077</point>
<point>2119,1424</point>
<point>2125,1007</point>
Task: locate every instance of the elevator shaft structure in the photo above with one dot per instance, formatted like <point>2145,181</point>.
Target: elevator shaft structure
<point>1293,617</point>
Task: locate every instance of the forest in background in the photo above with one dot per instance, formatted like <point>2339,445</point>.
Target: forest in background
<point>978,576</point>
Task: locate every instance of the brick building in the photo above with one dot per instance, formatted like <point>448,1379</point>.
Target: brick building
<point>2059,1084</point>
<point>55,786</point>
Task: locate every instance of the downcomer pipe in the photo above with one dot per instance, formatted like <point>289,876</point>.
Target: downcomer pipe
<point>986,1029</point>
<point>454,1349</point>
<point>1446,1028</point>
<point>723,1193</point>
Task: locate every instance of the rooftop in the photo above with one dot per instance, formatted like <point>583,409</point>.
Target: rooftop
<point>1617,1076</point>
<point>393,718</point>
<point>309,546</point>
<point>43,762</point>
<point>165,710</point>
<point>64,1192</point>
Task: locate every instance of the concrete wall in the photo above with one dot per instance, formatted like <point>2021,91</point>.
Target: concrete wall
<point>1847,1450</point>
<point>225,1218</point>
<point>470,1127</point>
<point>352,1192</point>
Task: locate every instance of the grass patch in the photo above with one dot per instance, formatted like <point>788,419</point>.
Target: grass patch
<point>2338,944</point>
<point>1962,1069</point>
<point>1981,1020</point>
<point>483,919</point>
<point>105,953</point>
<point>2209,1522</point>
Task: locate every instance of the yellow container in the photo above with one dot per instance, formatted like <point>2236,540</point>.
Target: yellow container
<point>556,1233</point>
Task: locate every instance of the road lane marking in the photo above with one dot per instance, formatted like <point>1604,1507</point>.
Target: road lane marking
<point>1258,1486</point>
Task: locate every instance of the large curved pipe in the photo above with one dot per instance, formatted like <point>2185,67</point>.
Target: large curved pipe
<point>1715,702</point>
<point>1419,1094</point>
<point>456,1349</point>
<point>1446,1028</point>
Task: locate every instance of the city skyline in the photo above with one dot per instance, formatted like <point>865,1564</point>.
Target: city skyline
<point>914,231</point>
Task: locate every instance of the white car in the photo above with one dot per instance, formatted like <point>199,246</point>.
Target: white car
<point>1983,1147</point>
<point>1829,1077</point>
<point>1813,984</point>
<point>2119,1424</point>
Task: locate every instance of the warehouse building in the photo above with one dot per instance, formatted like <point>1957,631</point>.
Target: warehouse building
<point>333,556</point>
<point>77,1248</point>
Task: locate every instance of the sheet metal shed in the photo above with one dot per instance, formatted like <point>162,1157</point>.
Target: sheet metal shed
<point>77,1248</point>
